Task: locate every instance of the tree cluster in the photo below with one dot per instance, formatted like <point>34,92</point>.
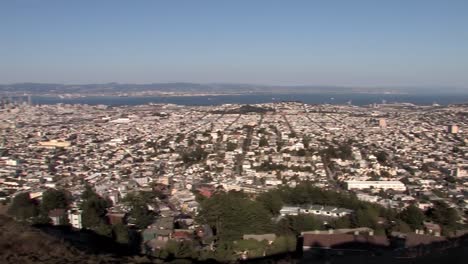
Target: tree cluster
<point>233,214</point>
<point>139,214</point>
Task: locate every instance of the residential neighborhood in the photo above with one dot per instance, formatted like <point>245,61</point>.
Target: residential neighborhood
<point>390,155</point>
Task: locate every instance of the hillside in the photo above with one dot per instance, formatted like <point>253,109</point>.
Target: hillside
<point>23,244</point>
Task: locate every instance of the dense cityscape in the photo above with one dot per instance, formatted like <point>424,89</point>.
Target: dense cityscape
<point>170,175</point>
<point>237,132</point>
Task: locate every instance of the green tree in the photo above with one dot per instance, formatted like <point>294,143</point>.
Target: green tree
<point>413,216</point>
<point>442,214</point>
<point>282,244</point>
<point>120,233</point>
<point>88,192</point>
<point>271,201</point>
<point>345,151</point>
<point>54,199</point>
<point>366,217</point>
<point>23,207</point>
<point>231,146</point>
<point>306,141</point>
<point>342,222</point>
<point>402,227</point>
<point>225,253</point>
<point>94,210</point>
<point>381,157</point>
<point>295,224</point>
<point>182,249</point>
<point>253,247</point>
<point>139,213</point>
<point>103,229</point>
<point>231,215</point>
<point>142,216</point>
<point>263,142</point>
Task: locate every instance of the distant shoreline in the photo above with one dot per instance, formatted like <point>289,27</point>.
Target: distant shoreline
<point>358,99</point>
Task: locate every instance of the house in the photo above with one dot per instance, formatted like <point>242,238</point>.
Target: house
<point>206,191</point>
<point>321,210</point>
<point>57,216</point>
<point>432,228</point>
<point>384,185</point>
<point>261,237</point>
<point>74,217</point>
<point>205,233</point>
<point>289,210</point>
<point>116,218</point>
<point>158,234</point>
<point>413,240</point>
<point>114,196</point>
<point>182,234</point>
<point>164,223</point>
<point>344,241</point>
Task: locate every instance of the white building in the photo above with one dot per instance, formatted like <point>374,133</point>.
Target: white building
<point>330,211</point>
<point>453,129</point>
<point>74,217</point>
<point>367,198</point>
<point>462,171</point>
<point>384,185</point>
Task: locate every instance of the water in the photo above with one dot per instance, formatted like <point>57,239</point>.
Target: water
<point>355,99</point>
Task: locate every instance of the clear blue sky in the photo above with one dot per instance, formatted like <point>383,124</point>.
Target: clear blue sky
<point>347,42</point>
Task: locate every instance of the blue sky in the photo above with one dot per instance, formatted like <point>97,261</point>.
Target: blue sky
<point>329,42</point>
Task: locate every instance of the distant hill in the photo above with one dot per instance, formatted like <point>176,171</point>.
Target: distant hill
<point>244,110</point>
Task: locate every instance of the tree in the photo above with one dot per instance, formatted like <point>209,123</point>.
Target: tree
<point>413,216</point>
<point>451,179</point>
<point>103,229</point>
<point>23,207</point>
<point>88,192</point>
<point>231,146</point>
<point>194,156</point>
<point>381,156</point>
<point>345,151</point>
<point>282,244</point>
<point>253,247</point>
<point>301,153</point>
<point>224,253</point>
<point>232,214</point>
<point>142,216</point>
<point>441,213</point>
<point>54,199</point>
<point>94,210</point>
<point>306,141</point>
<point>182,249</point>
<point>402,227</point>
<point>271,201</point>
<point>295,224</point>
<point>263,142</point>
<point>138,202</point>
<point>366,217</point>
<point>342,222</point>
<point>120,233</point>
